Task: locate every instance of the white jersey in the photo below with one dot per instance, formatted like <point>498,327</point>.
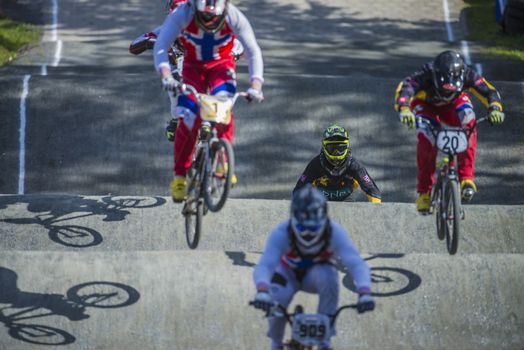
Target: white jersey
<point>279,250</point>
<point>181,17</point>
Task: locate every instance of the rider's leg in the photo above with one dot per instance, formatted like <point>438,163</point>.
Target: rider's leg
<point>283,286</point>
<point>322,279</point>
<point>462,114</point>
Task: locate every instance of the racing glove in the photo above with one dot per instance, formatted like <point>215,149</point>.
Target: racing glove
<point>406,116</point>
<point>263,301</point>
<point>169,83</point>
<point>495,115</point>
<point>365,303</point>
<point>171,129</point>
<point>255,94</point>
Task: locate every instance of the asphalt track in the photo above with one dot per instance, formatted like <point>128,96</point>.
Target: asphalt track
<point>93,225</point>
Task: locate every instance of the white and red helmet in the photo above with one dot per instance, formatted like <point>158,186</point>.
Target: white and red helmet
<point>171,5</point>
<point>210,14</point>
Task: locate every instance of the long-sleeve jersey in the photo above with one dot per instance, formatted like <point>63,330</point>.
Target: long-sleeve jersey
<point>338,188</point>
<point>420,85</point>
<point>280,250</point>
<point>201,46</point>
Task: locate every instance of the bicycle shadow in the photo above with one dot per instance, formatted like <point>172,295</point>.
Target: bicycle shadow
<point>23,306</point>
<point>387,281</point>
<point>53,212</point>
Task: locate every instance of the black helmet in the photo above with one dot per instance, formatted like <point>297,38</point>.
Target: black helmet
<point>448,75</point>
<point>308,219</point>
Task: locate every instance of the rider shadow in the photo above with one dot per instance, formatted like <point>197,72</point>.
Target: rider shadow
<point>387,281</point>
<point>52,212</point>
<point>24,306</point>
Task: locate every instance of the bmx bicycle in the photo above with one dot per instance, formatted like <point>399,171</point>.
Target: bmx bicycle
<point>211,171</point>
<point>445,194</point>
<point>308,331</point>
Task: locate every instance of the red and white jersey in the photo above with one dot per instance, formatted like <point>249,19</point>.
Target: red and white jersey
<point>201,46</point>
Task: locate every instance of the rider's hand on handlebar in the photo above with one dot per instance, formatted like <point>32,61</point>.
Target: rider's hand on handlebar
<point>406,116</point>
<point>495,116</point>
<point>263,301</point>
<point>254,94</point>
<point>365,303</point>
<point>169,83</point>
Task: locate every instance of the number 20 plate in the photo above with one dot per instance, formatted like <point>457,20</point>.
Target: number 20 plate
<point>311,329</point>
<point>452,141</point>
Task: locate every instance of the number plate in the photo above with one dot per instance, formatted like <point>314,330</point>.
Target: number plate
<point>215,109</point>
<point>452,141</point>
<point>311,329</point>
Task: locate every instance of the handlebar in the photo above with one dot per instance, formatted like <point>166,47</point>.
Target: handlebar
<point>435,129</point>
<point>187,89</point>
<point>289,316</point>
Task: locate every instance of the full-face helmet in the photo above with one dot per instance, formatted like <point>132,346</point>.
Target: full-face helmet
<point>210,14</point>
<point>335,149</point>
<point>171,5</point>
<point>448,75</point>
<point>309,219</point>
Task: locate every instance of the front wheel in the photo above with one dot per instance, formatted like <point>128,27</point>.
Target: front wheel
<point>438,204</point>
<point>193,212</point>
<point>217,182</point>
<point>452,215</point>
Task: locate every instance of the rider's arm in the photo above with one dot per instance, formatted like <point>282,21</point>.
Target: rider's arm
<point>366,183</point>
<point>482,89</point>
<point>244,32</point>
<point>173,25</point>
<point>144,42</point>
<point>350,257</point>
<point>410,86</point>
<point>277,244</point>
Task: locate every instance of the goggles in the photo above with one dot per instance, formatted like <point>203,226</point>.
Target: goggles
<point>336,148</point>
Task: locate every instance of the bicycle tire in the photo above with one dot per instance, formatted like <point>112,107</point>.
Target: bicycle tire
<point>439,217</point>
<point>217,183</point>
<point>453,216</point>
<point>193,222</point>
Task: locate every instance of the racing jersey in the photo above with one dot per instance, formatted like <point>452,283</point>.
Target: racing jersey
<point>201,47</point>
<point>338,188</point>
<point>420,85</point>
<point>280,250</point>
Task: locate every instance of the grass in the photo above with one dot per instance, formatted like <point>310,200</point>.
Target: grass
<point>482,28</point>
<point>14,36</point>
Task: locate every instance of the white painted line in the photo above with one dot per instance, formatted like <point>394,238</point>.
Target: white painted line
<point>478,68</point>
<point>43,69</point>
<point>54,23</point>
<point>21,168</point>
<point>465,51</point>
<point>58,53</point>
<point>451,37</point>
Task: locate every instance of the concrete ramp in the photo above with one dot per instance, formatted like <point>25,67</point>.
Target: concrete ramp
<point>139,287</point>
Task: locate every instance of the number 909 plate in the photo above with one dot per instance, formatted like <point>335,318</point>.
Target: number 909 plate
<point>311,329</point>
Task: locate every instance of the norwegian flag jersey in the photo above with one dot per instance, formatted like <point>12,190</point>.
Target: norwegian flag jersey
<point>202,46</point>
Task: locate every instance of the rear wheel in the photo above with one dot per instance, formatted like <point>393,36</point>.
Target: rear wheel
<point>218,182</point>
<point>452,215</point>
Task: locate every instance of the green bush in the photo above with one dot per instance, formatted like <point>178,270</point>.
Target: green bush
<point>482,27</point>
<point>14,37</point>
